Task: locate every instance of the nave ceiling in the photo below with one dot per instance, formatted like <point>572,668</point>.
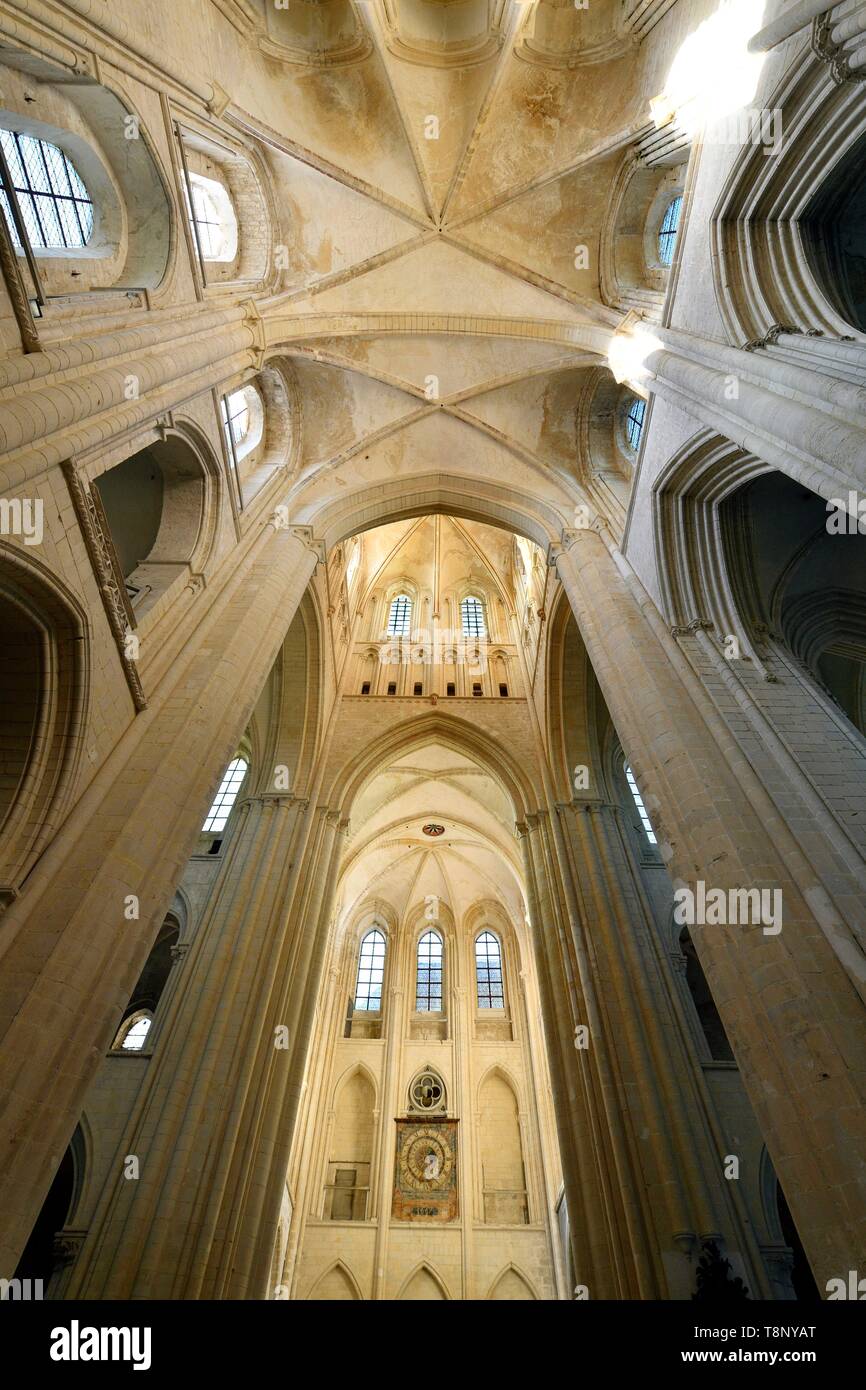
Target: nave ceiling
<point>440,316</point>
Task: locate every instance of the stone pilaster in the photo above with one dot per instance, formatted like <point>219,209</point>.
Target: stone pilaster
<point>213,1124</point>
<point>79,933</point>
<point>611,1250</point>
<point>787,999</point>
<point>661,1089</point>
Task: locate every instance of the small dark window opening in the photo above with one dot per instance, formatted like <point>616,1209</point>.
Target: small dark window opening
<point>216,846</point>
<point>365,688</point>
<point>450,688</point>
<point>418,688</point>
<point>476,688</point>
<point>392,687</point>
<point>503,689</point>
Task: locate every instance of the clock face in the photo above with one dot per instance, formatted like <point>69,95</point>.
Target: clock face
<point>426,1162</point>
<point>425,1180</point>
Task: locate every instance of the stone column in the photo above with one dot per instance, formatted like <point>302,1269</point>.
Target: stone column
<point>611,1249</point>
<point>214,1120</point>
<point>665,1105</point>
<point>808,424</point>
<point>789,1000</point>
<point>73,944</point>
<point>44,420</point>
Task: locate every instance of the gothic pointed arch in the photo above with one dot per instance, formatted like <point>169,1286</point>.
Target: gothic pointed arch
<point>424,1283</point>
<point>356,1069</point>
<point>510,1285</point>
<point>502,1167</point>
<point>768,231</point>
<point>336,1284</point>
<point>44,705</point>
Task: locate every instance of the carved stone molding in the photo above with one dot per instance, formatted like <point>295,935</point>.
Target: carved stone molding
<point>774,333</point>
<point>17,291</point>
<point>112,592</point>
<point>837,55</point>
<point>67,1245</point>
<point>275,799</point>
<point>305,534</point>
<point>256,324</point>
<point>771,336</point>
<point>178,951</point>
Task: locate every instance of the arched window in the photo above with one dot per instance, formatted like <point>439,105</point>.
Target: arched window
<point>634,421</point>
<point>226,795</point>
<point>243,421</point>
<point>371,972</point>
<point>400,616</point>
<point>668,231</point>
<point>428,987</point>
<point>236,416</point>
<point>213,218</point>
<point>488,972</point>
<point>641,809</point>
<point>55,205</point>
<point>133,1032</point>
<point>353,562</point>
<point>472,616</point>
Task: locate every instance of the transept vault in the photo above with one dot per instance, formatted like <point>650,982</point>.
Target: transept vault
<point>433,795</point>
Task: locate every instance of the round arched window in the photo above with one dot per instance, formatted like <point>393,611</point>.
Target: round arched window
<point>53,201</point>
<point>634,421</point>
<point>669,229</point>
<point>226,795</point>
<point>243,421</point>
<point>213,217</point>
<point>133,1032</point>
<point>488,971</point>
<point>472,617</point>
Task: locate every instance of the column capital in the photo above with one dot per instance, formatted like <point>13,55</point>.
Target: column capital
<point>771,337</point>
<point>67,1245</point>
<point>570,536</point>
<point>838,55</point>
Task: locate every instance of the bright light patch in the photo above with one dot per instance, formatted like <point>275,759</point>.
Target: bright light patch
<point>628,352</point>
<point>713,74</point>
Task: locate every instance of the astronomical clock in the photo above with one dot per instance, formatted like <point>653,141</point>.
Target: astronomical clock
<point>425,1177</point>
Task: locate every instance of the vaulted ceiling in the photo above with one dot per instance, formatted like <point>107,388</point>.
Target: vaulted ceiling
<point>390,858</point>
<point>437,166</point>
